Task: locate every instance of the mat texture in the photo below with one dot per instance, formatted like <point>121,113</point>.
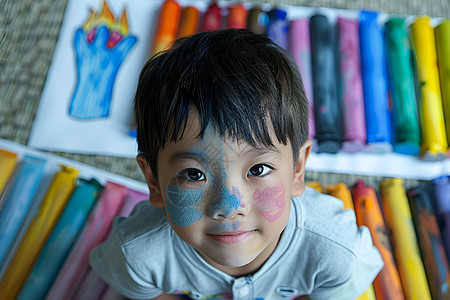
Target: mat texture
<point>28,33</point>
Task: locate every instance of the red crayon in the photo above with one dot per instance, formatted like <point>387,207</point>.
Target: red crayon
<point>212,19</point>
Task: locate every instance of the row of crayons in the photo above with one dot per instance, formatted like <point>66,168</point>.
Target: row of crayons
<point>372,87</point>
<point>45,241</point>
<point>411,229</point>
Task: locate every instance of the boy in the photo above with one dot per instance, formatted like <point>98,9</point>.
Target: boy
<point>222,135</point>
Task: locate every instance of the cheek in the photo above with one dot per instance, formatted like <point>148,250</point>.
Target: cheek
<point>270,202</point>
<point>183,206</point>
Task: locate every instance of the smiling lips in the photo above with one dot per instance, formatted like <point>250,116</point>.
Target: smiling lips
<point>231,237</point>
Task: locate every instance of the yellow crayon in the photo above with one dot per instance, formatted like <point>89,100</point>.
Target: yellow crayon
<point>404,241</point>
<point>442,33</point>
<point>341,191</point>
<point>434,139</point>
<point>37,234</point>
<point>369,294</point>
<point>7,163</point>
<point>315,185</point>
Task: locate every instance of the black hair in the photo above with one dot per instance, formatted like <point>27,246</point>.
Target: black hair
<point>237,80</point>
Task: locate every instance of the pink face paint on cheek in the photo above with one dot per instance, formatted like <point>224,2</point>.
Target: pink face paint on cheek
<point>270,202</point>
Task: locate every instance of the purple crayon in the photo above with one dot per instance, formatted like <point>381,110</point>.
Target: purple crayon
<point>300,48</point>
<point>354,120</point>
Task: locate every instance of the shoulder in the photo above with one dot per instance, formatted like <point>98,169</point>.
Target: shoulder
<point>342,258</point>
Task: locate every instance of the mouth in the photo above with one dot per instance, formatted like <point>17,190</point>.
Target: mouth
<point>231,237</point>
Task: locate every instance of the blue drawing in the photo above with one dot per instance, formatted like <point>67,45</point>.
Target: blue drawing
<point>101,46</point>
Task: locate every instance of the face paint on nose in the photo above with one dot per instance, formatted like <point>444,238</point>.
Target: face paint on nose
<point>183,205</point>
<point>270,202</point>
<point>225,202</point>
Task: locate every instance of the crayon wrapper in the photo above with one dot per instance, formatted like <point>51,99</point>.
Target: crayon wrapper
<point>326,104</point>
<point>94,232</point>
<point>169,18</point>
<point>300,48</point>
<point>354,131</point>
<point>17,202</point>
<point>7,163</point>
<point>61,239</point>
<point>278,27</point>
<point>257,20</point>
<point>212,19</point>
<point>38,232</point>
<point>387,284</point>
<point>342,192</point>
<point>430,242</point>
<point>406,123</point>
<point>92,285</point>
<point>434,140</point>
<point>189,20</point>
<point>237,16</point>
<point>404,241</point>
<point>374,80</point>
<point>442,33</point>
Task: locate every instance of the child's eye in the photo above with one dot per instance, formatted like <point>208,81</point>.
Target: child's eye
<point>192,174</point>
<point>259,170</point>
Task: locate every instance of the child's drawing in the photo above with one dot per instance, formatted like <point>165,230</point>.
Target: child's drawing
<point>101,45</point>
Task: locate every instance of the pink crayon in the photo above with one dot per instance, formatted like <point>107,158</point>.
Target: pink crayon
<point>95,230</point>
<point>300,48</point>
<point>354,120</point>
<point>92,286</point>
<point>212,19</point>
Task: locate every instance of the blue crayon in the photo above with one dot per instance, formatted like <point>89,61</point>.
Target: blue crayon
<point>374,77</point>
<point>17,203</point>
<point>277,28</point>
<point>61,240</point>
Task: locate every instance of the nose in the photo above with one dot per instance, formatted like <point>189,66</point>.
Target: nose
<point>226,204</point>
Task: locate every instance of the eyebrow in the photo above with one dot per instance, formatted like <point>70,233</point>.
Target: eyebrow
<point>180,155</point>
<point>259,151</point>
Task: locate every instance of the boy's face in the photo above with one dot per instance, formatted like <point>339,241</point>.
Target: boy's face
<point>228,200</point>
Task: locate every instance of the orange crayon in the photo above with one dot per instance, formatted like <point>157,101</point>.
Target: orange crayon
<point>169,18</point>
<point>237,16</point>
<point>387,284</point>
<point>341,191</point>
<point>189,19</point>
<point>315,185</point>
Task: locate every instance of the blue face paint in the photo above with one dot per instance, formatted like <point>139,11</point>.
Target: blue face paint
<point>183,205</point>
<point>224,203</point>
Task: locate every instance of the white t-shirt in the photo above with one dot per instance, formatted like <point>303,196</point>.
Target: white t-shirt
<point>322,253</point>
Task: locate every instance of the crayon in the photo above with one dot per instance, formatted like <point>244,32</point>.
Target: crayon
<point>212,19</point>
<point>341,191</point>
<point>17,203</point>
<point>169,18</point>
<point>326,102</point>
<point>8,162</point>
<point>387,284</point>
<point>442,33</point>
<point>111,294</point>
<point>430,242</point>
<point>406,250</point>
<point>369,294</point>
<point>300,48</point>
<point>374,83</point>
<point>237,16</point>
<point>38,232</point>
<point>61,239</point>
<point>440,191</point>
<point>354,120</point>
<point>190,17</point>
<point>315,185</point>
<point>257,20</point>
<point>434,139</point>
<point>278,26</point>
<point>406,123</point>
<point>93,286</point>
<point>94,232</point>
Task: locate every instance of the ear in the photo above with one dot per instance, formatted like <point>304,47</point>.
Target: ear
<point>298,183</point>
<point>153,186</point>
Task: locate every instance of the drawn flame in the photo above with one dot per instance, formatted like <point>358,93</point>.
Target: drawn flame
<point>118,27</point>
